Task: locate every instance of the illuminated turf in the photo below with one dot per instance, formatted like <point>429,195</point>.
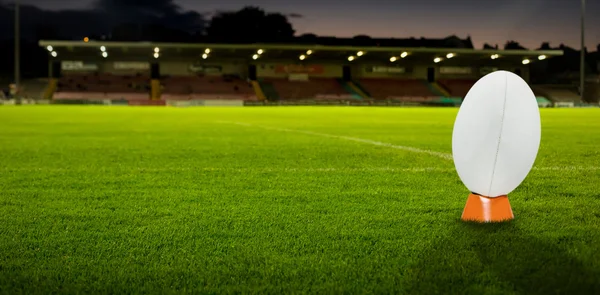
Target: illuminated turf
<point>122,199</point>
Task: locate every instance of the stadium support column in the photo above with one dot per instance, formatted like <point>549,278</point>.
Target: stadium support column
<point>54,73</point>
<point>155,81</point>
<point>582,57</point>
<point>17,49</point>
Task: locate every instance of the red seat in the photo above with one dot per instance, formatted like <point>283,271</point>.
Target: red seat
<point>103,83</point>
<point>382,88</point>
<point>457,87</point>
<point>315,88</point>
<point>207,86</point>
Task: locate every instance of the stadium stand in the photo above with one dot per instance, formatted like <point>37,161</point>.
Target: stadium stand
<point>382,88</point>
<point>557,93</point>
<point>103,86</point>
<point>457,87</point>
<point>207,87</point>
<point>317,88</point>
<point>34,88</point>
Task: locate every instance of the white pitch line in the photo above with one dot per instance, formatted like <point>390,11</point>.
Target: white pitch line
<point>444,156</point>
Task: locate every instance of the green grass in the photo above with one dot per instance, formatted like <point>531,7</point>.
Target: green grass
<point>169,200</point>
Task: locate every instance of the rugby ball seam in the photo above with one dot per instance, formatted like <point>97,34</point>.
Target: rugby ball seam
<point>499,135</point>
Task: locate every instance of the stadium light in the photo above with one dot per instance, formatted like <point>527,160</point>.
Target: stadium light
<point>450,55</point>
<point>205,56</point>
<point>102,48</point>
<point>105,54</point>
<point>350,58</point>
<point>360,53</point>
<point>50,48</point>
<point>255,57</point>
<point>526,61</point>
<point>542,57</point>
<point>86,39</point>
<point>393,59</point>
<point>404,54</point>
<point>54,54</point>
<point>156,49</point>
<point>437,59</point>
<point>302,57</point>
<point>308,52</point>
<point>260,51</point>
<point>494,56</point>
<point>156,55</point>
<point>207,50</point>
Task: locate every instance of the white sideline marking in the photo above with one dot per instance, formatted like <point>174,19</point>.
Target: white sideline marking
<point>445,156</point>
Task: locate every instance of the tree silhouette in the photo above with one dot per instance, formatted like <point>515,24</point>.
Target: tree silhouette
<point>513,45</point>
<point>545,46</point>
<point>488,46</point>
<point>249,25</point>
<point>362,40</point>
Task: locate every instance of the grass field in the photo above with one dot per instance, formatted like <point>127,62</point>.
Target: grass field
<point>283,200</point>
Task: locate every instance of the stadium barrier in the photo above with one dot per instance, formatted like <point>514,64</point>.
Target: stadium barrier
<point>398,102</point>
<point>147,102</point>
<point>207,103</point>
<point>564,104</point>
<point>80,101</point>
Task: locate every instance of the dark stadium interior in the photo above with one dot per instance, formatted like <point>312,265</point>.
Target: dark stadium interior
<point>183,34</point>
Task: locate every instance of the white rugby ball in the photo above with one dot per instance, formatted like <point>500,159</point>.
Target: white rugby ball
<point>496,134</point>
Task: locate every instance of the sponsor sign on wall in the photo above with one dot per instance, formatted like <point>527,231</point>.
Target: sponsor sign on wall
<point>77,66</point>
<point>298,77</point>
<point>486,70</point>
<point>299,69</point>
<point>387,70</point>
<point>207,69</point>
<point>455,70</point>
<point>131,65</point>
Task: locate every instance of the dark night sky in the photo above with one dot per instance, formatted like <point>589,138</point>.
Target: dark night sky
<point>528,21</point>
